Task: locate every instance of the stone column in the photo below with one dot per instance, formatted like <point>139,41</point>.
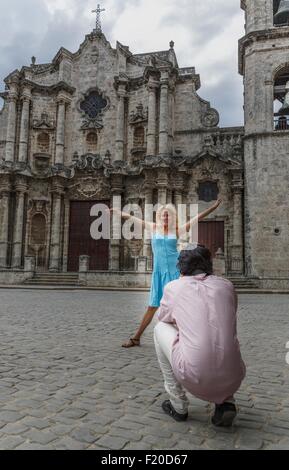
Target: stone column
<point>152,116</point>
<point>178,198</point>
<point>30,265</point>
<point>21,188</point>
<point>237,262</point>
<point>169,196</point>
<point>268,103</point>
<point>119,141</point>
<point>162,187</point>
<point>117,188</point>
<point>162,195</point>
<point>66,204</point>
<point>4,223</point>
<point>147,248</point>
<point>84,263</point>
<point>171,117</point>
<point>55,248</point>
<point>11,124</point>
<point>238,217</point>
<point>219,263</point>
<point>184,238</point>
<point>179,184</point>
<point>164,116</point>
<point>24,127</point>
<point>60,132</point>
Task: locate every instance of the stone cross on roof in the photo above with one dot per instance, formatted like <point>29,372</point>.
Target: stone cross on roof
<point>98,11</point>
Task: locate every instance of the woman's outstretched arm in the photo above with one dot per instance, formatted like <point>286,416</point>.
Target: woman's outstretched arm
<point>147,225</point>
<point>200,217</point>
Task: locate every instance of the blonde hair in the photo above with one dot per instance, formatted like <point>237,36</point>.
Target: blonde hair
<point>170,208</point>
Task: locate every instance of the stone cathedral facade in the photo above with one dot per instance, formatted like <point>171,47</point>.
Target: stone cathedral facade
<point>105,121</point>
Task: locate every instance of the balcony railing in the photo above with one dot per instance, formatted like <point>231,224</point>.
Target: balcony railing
<point>281,123</point>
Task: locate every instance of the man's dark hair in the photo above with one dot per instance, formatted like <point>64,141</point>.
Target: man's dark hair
<point>195,260</point>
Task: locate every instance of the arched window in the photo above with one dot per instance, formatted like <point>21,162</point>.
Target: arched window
<point>43,142</point>
<point>281,100</point>
<point>281,12</point>
<point>139,137</point>
<point>91,140</point>
<point>208,191</point>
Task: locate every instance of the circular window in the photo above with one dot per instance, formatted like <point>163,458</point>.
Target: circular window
<point>93,104</point>
<point>277,231</point>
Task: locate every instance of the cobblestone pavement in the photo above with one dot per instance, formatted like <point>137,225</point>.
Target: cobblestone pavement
<point>65,383</point>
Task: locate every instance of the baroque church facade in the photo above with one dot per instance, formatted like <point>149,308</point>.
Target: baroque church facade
<point>105,122</point>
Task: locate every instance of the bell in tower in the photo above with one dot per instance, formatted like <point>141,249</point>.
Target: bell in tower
<point>281,17</point>
<point>285,107</point>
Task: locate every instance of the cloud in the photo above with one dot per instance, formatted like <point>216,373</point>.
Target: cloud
<point>205,33</point>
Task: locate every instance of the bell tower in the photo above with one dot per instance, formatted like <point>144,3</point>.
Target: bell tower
<point>264,64</point>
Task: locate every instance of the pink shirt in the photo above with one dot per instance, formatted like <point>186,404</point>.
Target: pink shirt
<point>206,356</point>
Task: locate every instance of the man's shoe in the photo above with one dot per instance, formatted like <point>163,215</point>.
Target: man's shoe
<point>169,410</point>
<point>224,415</point>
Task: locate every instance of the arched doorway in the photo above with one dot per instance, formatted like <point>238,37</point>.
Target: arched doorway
<point>80,240</point>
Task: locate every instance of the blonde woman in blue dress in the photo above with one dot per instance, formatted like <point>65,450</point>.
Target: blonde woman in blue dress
<point>165,234</point>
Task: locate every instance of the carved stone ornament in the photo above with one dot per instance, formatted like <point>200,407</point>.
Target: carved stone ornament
<point>210,169</point>
<point>41,162</point>
<point>94,55</point>
<point>90,188</point>
<point>211,118</point>
<point>138,116</point>
<point>89,163</point>
<point>39,206</point>
<point>44,122</point>
<point>92,123</point>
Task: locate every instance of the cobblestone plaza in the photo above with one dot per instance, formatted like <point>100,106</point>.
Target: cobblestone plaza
<point>66,383</point>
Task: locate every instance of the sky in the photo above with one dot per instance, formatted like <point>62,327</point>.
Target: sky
<point>205,33</point>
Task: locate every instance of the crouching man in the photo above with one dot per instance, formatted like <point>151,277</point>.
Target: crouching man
<point>196,339</point>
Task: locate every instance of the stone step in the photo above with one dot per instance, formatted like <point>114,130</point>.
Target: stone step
<point>54,284</point>
<point>68,279</point>
<point>71,279</point>
<point>244,283</point>
<point>60,275</point>
<point>50,283</point>
<point>53,279</point>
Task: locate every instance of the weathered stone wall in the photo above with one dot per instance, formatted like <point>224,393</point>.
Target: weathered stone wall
<point>259,14</point>
<point>266,152</point>
<point>135,98</point>
<point>87,75</point>
<point>46,78</point>
<point>3,128</point>
<point>113,279</point>
<point>42,104</point>
<point>14,277</point>
<point>267,215</point>
<point>262,61</point>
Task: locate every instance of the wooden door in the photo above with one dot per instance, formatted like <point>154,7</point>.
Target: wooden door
<point>80,240</point>
<point>212,235</point>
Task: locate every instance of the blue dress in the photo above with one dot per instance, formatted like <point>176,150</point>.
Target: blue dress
<point>165,270</point>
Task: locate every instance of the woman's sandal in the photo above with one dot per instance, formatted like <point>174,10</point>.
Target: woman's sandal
<point>132,343</point>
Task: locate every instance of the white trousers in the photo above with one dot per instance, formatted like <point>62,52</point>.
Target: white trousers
<point>165,335</point>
